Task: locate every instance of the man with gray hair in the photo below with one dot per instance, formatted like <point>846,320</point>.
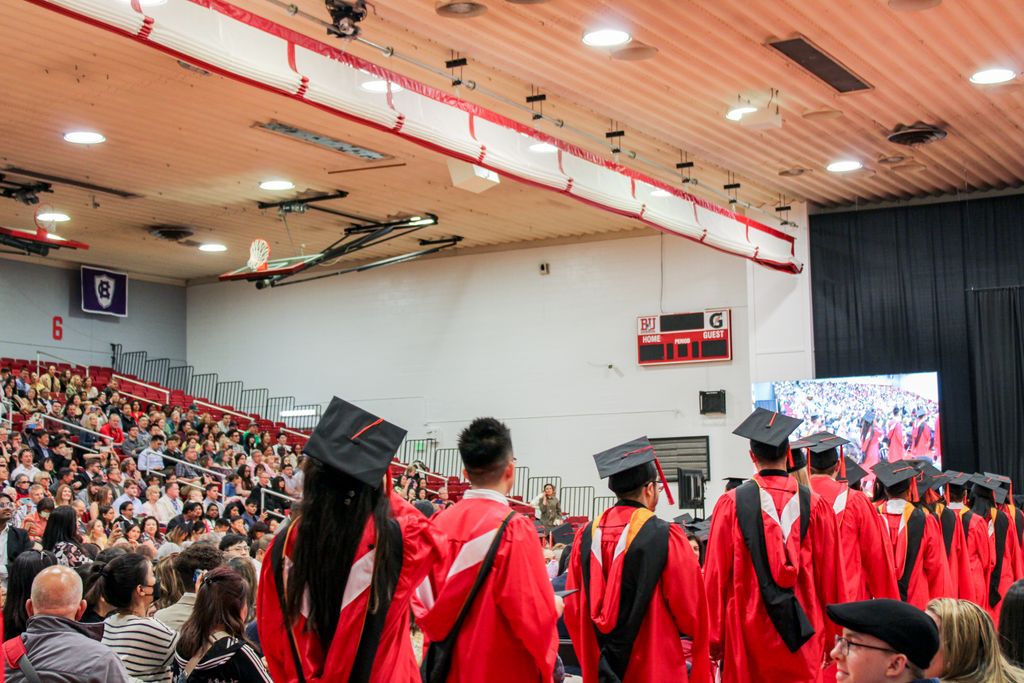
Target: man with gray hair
<point>55,647</point>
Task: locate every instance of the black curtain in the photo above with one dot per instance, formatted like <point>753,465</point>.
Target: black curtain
<point>890,295</point>
<point>996,329</point>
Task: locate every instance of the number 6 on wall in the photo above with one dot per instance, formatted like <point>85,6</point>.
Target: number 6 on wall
<point>58,327</point>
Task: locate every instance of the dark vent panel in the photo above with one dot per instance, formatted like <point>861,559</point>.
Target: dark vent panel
<point>811,58</point>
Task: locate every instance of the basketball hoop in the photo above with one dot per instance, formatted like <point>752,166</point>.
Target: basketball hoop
<point>44,227</point>
<point>259,254</point>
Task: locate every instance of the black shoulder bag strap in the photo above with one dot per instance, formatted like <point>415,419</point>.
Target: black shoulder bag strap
<point>369,640</point>
<point>948,520</point>
<point>641,571</point>
<point>781,604</point>
<point>438,659</point>
<point>965,520</point>
<point>915,535</point>
<point>1002,528</point>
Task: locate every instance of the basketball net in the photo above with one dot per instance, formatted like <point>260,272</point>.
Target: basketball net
<point>259,253</point>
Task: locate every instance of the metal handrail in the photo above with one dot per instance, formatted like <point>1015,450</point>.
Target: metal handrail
<point>7,415</point>
<point>435,474</point>
<point>78,428</point>
<point>119,377</point>
<point>66,360</point>
<point>263,501</point>
<point>219,475</point>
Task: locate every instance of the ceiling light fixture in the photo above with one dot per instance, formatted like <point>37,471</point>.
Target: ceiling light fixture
<point>660,193</point>
<point>459,9</point>
<point>993,76</point>
<point>737,113</point>
<point>53,217</point>
<point>543,148</point>
<point>212,247</point>
<point>84,137</point>
<point>381,86</point>
<point>277,185</point>
<point>606,37</point>
<point>844,166</point>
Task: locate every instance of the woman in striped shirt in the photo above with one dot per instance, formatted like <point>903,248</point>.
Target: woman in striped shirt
<point>144,644</point>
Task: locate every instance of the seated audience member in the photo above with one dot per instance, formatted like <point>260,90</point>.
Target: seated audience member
<point>151,458</point>
<point>62,538</point>
<point>112,430</point>
<point>145,646</point>
<point>1011,624</point>
<point>19,588</point>
<point>883,641</point>
<point>171,589</point>
<point>35,523</point>
<point>130,495</point>
<point>132,444</point>
<point>968,645</point>
<point>57,647</point>
<point>13,541</point>
<point>97,609</point>
<point>196,557</point>
<point>213,645</point>
<point>191,513</point>
<point>170,504</point>
<point>151,507</point>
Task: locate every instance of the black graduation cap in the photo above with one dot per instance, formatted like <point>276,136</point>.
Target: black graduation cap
<point>700,528</point>
<point>683,519</point>
<point>958,478</point>
<point>894,474</point>
<point>854,472</point>
<point>1006,482</point>
<point>563,533</point>
<point>767,427</point>
<point>633,461</point>
<point>797,460</point>
<point>353,441</point>
<point>733,482</point>
<point>825,448</point>
<point>984,482</point>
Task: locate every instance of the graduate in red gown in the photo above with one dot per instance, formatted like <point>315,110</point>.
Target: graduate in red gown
<point>866,561</point>
<point>929,480</point>
<point>772,565</point>
<point>640,586</point>
<point>870,440</point>
<point>921,436</point>
<point>915,538</point>
<point>894,436</point>
<point>988,494</point>
<point>1015,514</point>
<point>333,601</point>
<point>509,630</point>
<point>980,559</point>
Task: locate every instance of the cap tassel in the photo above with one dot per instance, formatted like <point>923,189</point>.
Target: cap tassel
<point>789,457</point>
<point>842,464</point>
<point>664,482</point>
<point>914,497</point>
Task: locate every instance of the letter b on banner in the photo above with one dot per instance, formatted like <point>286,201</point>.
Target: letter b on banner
<point>58,327</point>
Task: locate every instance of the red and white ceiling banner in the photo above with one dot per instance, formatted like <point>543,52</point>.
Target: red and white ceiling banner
<point>222,37</point>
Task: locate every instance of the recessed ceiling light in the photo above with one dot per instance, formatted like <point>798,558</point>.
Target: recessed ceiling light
<point>606,37</point>
<point>543,148</point>
<point>822,114</point>
<point>913,5</point>
<point>660,193</point>
<point>212,247</point>
<point>794,172</point>
<point>993,76</point>
<point>381,86</point>
<point>459,9</point>
<point>844,166</point>
<point>634,52</point>
<point>737,113</point>
<point>277,185</point>
<point>53,217</point>
<point>84,137</point>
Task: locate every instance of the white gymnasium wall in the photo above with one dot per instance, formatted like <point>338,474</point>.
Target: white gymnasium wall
<point>433,344</point>
<point>31,294</point>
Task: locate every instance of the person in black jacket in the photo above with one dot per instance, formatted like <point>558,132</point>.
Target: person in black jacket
<point>13,541</point>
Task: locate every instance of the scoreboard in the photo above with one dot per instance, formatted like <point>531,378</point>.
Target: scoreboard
<point>684,337</point>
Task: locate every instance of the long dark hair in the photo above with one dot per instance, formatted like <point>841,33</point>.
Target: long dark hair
<point>219,602</point>
<point>334,506</point>
<point>119,578</point>
<point>61,526</point>
<point>1011,624</point>
<point>19,588</point>
<point>982,503</point>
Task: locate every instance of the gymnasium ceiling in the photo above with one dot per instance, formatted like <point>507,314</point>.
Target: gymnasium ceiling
<point>186,142</point>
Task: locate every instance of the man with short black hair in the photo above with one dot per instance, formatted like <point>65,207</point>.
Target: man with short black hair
<point>883,641</point>
<point>132,444</point>
<point>151,459</point>
<point>190,514</point>
<point>509,633</point>
<point>13,541</point>
<point>201,556</point>
<point>42,447</point>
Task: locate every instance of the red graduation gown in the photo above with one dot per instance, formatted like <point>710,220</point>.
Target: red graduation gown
<point>678,606</point>
<point>742,635</point>
<point>395,660</point>
<point>921,439</point>
<point>1011,513</point>
<point>957,558</point>
<point>894,434</point>
<point>870,447</point>
<point>929,578</point>
<point>1008,572</point>
<point>980,559</point>
<point>866,560</point>
<point>509,633</point>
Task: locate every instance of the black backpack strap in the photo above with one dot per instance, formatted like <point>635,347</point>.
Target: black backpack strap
<point>1002,523</point>
<point>373,626</point>
<point>781,604</point>
<point>277,564</point>
<point>805,510</point>
<point>915,535</point>
<point>965,520</point>
<point>642,568</point>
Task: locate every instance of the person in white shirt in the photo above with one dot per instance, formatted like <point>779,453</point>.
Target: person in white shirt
<point>170,504</point>
<point>151,459</point>
<point>26,465</point>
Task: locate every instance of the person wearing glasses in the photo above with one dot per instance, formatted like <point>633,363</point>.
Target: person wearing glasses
<point>13,541</point>
<point>883,641</point>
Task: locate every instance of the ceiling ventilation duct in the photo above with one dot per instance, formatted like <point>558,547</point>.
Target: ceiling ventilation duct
<point>814,60</point>
<point>916,134</point>
<point>170,233</point>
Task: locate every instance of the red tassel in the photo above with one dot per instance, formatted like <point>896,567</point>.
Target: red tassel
<point>789,457</point>
<point>914,497</point>
<point>664,482</point>
<point>842,464</point>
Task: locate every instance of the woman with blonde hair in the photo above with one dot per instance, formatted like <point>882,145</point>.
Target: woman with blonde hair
<point>64,496</point>
<point>968,645</point>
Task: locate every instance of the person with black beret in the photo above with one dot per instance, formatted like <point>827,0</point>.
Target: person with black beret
<point>883,641</point>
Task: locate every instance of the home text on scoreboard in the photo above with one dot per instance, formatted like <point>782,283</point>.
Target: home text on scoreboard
<point>684,337</point>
